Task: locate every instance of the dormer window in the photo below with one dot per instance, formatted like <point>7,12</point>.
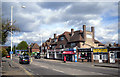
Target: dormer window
<point>62,38</point>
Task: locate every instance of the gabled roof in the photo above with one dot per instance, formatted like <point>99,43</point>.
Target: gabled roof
<point>77,36</point>
<point>35,46</point>
<point>66,34</point>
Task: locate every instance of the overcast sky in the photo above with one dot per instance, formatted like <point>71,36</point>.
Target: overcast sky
<point>47,18</point>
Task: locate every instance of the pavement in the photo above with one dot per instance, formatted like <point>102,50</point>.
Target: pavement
<point>10,68</point>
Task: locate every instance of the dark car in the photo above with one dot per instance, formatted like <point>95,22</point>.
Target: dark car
<point>37,56</point>
<point>24,60</point>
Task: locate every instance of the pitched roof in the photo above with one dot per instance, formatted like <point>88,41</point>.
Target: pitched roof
<point>77,36</point>
<point>99,43</point>
<point>35,46</point>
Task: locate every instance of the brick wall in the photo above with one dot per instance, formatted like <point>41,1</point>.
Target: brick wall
<point>35,50</point>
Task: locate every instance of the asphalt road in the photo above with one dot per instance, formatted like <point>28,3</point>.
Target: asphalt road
<point>46,67</point>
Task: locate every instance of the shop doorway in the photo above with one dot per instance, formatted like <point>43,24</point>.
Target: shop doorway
<point>112,58</point>
<point>69,57</point>
<point>100,58</point>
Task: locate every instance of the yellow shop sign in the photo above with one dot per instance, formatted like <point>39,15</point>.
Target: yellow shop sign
<point>99,50</point>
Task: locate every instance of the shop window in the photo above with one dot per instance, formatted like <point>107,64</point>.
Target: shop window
<point>95,57</point>
<point>104,57</point>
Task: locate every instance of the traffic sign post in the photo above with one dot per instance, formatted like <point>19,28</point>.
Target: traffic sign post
<point>11,52</point>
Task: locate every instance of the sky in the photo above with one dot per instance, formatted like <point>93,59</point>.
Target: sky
<point>46,18</point>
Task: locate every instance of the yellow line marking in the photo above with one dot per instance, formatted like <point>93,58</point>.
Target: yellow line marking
<point>28,73</point>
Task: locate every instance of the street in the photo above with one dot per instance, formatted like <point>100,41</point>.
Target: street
<point>56,67</point>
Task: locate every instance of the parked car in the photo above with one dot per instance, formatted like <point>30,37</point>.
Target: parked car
<point>24,60</point>
<point>37,56</point>
<point>8,56</point>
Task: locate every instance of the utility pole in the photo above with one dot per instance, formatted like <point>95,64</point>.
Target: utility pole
<point>11,29</point>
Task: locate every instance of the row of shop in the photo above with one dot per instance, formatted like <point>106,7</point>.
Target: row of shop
<point>101,55</point>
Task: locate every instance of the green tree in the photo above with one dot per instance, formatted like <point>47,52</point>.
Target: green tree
<point>22,45</point>
<point>8,49</point>
<point>4,52</point>
<point>5,29</point>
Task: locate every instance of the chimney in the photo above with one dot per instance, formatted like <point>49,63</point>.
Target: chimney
<point>72,32</point>
<point>54,35</point>
<point>84,32</point>
<point>92,30</point>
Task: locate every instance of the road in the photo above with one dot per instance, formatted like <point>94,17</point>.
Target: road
<point>53,67</point>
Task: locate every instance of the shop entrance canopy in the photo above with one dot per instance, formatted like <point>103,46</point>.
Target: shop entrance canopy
<point>68,52</point>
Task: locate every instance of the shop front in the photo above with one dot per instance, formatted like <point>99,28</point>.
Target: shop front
<point>69,55</point>
<point>84,54</point>
<point>114,54</point>
<point>100,55</point>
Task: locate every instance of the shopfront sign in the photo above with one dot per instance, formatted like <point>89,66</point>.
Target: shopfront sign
<point>68,52</point>
<point>100,50</point>
<point>84,50</point>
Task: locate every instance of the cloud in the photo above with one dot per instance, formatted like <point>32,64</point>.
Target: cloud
<point>47,18</point>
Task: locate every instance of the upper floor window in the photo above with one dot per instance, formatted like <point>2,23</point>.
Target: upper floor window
<point>62,46</point>
<point>55,40</point>
<point>73,44</point>
<point>61,38</point>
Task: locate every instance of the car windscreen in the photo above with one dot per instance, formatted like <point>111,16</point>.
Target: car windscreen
<point>26,57</point>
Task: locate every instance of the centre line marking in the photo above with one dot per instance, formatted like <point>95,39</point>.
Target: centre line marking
<point>58,70</point>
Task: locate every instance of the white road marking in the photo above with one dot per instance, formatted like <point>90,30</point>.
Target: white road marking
<point>58,70</point>
<point>44,67</point>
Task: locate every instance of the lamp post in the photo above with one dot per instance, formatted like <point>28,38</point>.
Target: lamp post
<point>11,28</point>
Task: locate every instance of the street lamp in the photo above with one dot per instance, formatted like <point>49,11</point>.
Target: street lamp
<point>11,28</point>
<point>41,44</point>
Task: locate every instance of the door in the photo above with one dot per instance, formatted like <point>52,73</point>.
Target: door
<point>100,58</point>
<point>112,58</point>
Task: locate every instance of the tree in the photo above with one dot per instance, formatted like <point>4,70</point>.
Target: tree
<point>6,28</point>
<point>4,52</point>
<point>22,45</point>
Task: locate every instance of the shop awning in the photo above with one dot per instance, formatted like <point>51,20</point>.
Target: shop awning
<point>68,52</point>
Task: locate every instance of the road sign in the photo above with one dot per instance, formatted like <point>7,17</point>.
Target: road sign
<point>11,52</point>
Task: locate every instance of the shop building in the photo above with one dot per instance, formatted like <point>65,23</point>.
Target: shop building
<point>114,54</point>
<point>83,40</point>
<point>55,54</point>
<point>85,54</point>
<point>100,55</point>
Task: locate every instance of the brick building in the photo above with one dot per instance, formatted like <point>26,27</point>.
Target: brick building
<point>34,47</point>
<point>80,39</point>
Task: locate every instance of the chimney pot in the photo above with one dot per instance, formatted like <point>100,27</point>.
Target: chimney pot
<point>84,32</point>
<point>72,31</point>
<point>54,35</point>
